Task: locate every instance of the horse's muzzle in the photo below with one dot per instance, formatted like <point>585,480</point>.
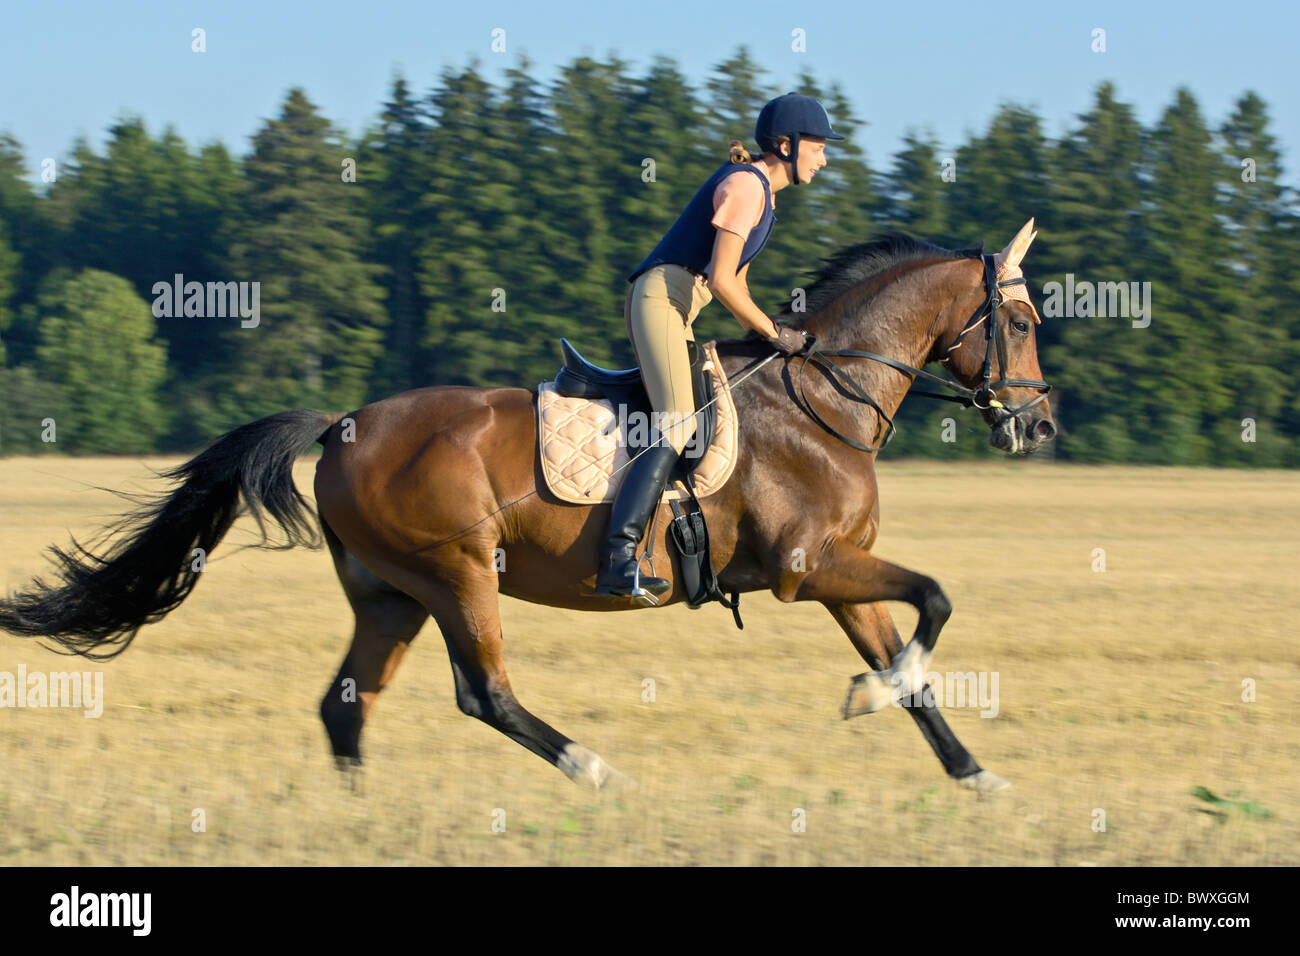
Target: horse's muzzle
<point>1017,436</point>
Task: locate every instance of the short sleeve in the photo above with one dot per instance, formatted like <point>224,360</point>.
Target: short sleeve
<point>738,203</point>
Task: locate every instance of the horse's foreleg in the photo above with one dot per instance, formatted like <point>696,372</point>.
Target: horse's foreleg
<point>470,620</point>
<point>871,630</point>
<point>843,574</point>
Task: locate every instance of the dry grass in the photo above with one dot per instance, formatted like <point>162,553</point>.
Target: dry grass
<point>1118,690</point>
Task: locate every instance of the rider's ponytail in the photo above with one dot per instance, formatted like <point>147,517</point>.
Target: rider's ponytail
<point>738,152</point>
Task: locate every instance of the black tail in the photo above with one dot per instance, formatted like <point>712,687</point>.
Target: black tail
<point>101,602</point>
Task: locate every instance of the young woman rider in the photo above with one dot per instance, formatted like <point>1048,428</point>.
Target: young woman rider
<point>703,256</point>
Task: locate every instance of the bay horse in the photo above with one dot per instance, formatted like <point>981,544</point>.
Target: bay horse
<point>419,495</point>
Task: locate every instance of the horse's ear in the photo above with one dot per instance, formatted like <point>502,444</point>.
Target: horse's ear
<point>1017,247</point>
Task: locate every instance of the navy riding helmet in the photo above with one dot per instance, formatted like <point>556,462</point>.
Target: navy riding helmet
<point>792,115</point>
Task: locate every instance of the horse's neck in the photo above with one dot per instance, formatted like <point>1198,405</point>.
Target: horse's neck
<point>896,323</point>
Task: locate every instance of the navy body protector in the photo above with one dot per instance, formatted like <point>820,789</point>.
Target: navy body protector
<point>689,241</point>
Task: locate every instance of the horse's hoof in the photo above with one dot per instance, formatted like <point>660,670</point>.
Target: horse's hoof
<point>983,782</point>
<point>586,767</point>
<point>867,694</point>
<point>616,782</point>
<point>351,768</point>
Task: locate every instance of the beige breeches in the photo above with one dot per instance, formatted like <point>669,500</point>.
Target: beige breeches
<point>659,309</point>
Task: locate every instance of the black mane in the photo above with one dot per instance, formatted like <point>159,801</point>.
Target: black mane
<point>854,264</point>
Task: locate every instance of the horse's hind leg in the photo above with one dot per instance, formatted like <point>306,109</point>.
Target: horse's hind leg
<point>470,620</point>
<point>387,620</point>
<point>871,630</point>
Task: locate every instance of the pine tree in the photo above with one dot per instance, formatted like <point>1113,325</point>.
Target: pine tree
<point>1092,232</point>
<point>8,273</point>
<point>29,232</point>
<point>1286,239</point>
<point>853,211</point>
<point>526,350</point>
<point>916,195</point>
<point>596,161</point>
<point>1254,211</point>
<point>395,166</point>
<point>460,261</point>
<point>1001,179</point>
<point>320,328</point>
<point>1178,385</point>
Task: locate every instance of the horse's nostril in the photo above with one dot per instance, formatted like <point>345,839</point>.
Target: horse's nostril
<point>1044,430</point>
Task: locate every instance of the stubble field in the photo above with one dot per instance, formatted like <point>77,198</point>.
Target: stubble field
<point>1120,692</point>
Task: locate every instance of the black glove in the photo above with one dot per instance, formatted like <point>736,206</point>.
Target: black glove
<point>790,341</point>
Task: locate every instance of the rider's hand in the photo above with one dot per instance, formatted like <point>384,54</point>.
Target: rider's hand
<point>788,340</point>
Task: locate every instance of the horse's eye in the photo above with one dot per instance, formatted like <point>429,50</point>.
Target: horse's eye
<point>1020,326</point>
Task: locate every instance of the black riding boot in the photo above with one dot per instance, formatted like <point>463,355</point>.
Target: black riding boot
<point>637,499</point>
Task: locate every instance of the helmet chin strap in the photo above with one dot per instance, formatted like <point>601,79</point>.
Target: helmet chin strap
<point>794,159</point>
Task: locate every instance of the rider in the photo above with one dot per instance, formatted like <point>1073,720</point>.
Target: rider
<point>705,254</point>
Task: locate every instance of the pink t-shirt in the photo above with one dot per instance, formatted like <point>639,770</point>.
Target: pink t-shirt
<point>738,203</point>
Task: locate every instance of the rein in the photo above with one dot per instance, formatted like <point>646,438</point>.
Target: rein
<point>983,398</point>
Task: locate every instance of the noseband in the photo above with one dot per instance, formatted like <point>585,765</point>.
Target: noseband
<point>984,398</point>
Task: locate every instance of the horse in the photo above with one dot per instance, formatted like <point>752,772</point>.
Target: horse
<point>420,494</point>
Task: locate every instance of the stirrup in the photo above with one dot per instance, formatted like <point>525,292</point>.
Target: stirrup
<point>640,594</point>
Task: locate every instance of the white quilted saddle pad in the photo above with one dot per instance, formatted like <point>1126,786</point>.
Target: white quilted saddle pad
<point>581,448</point>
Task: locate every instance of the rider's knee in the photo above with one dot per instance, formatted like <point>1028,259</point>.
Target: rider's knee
<point>678,430</point>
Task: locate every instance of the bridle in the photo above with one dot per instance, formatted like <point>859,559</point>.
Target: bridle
<point>984,398</point>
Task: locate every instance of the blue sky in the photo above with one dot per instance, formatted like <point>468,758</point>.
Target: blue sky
<point>69,68</point>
